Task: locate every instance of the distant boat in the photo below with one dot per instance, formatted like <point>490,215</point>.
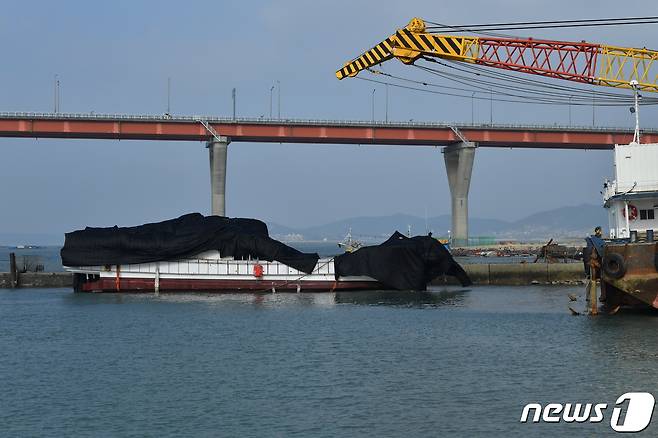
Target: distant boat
<point>349,244</point>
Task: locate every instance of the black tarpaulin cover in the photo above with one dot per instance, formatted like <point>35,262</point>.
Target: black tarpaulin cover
<point>178,238</point>
<point>403,263</point>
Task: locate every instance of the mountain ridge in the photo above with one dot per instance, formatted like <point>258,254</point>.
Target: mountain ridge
<point>569,221</point>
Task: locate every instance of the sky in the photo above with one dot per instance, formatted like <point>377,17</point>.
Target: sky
<point>116,57</point>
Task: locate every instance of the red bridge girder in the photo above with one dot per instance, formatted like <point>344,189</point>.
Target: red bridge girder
<point>298,131</point>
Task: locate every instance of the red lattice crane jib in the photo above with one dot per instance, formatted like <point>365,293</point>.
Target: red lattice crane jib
<point>561,60</point>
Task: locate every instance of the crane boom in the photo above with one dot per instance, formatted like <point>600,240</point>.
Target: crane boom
<point>584,62</point>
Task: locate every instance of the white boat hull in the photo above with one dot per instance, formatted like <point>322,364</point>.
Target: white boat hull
<point>210,272</point>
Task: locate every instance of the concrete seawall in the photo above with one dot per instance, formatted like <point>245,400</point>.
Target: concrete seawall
<point>38,279</point>
<point>518,274</point>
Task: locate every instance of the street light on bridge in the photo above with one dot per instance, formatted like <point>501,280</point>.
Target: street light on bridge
<point>278,83</point>
<point>373,104</point>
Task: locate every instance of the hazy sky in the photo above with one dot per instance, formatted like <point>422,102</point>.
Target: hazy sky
<point>115,57</point>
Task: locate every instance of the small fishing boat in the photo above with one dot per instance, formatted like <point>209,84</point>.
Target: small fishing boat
<point>349,244</point>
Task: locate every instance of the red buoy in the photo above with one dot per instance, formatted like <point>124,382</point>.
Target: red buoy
<point>258,270</point>
<point>632,212</point>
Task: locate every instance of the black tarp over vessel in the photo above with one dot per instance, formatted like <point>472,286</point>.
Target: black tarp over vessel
<point>403,263</point>
<point>400,263</point>
<point>180,238</point>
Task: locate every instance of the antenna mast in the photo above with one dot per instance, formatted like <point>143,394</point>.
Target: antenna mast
<point>636,110</point>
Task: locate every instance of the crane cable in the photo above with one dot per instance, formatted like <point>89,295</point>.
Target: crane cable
<point>551,95</point>
<point>540,98</point>
<point>526,81</point>
<point>424,90</point>
<point>561,96</point>
<point>585,100</point>
<point>483,28</point>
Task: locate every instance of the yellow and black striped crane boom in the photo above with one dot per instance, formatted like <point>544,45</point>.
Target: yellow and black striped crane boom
<point>590,63</point>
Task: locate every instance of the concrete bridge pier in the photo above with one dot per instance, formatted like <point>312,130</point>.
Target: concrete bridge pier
<point>459,166</point>
<point>218,150</point>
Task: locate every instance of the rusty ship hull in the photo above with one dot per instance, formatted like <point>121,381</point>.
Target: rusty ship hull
<point>630,275</point>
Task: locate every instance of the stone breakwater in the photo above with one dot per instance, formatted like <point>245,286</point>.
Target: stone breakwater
<point>521,274</point>
<point>38,279</point>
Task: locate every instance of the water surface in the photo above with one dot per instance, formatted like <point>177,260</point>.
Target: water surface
<point>450,362</point>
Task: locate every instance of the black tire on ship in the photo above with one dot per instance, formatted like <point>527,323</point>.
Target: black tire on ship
<point>614,266</point>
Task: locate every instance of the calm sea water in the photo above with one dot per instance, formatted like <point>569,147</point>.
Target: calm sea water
<point>449,362</point>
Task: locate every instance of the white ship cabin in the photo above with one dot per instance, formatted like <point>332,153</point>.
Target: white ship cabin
<point>632,198</point>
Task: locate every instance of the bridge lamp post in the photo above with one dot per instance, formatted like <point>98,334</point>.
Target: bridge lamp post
<point>168,96</point>
<point>570,110</point>
<point>271,94</point>
<point>278,83</point>
<point>233,96</point>
<point>593,113</point>
<point>473,108</point>
<point>56,93</point>
<point>491,106</point>
<point>386,103</point>
<point>373,104</point>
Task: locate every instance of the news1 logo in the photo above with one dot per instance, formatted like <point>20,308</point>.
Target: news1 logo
<point>637,416</point>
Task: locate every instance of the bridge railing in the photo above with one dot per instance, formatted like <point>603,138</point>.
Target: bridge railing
<point>308,122</point>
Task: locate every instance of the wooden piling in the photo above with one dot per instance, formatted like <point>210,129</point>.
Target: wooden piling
<point>593,299</point>
<point>13,271</point>
<point>594,272</point>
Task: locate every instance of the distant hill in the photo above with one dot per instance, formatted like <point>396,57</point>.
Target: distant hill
<point>566,221</point>
<point>573,221</point>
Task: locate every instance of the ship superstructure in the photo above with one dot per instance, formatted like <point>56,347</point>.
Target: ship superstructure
<point>632,197</point>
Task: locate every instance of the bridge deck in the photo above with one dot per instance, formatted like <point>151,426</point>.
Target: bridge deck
<point>189,128</point>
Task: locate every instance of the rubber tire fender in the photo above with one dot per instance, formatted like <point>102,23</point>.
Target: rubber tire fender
<point>614,266</point>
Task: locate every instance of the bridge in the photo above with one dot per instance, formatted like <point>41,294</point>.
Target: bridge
<point>191,128</point>
<point>459,140</point>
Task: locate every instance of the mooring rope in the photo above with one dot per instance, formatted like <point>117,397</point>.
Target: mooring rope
<point>273,288</point>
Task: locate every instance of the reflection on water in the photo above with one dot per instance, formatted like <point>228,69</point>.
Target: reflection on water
<point>403,298</point>
<point>432,298</point>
